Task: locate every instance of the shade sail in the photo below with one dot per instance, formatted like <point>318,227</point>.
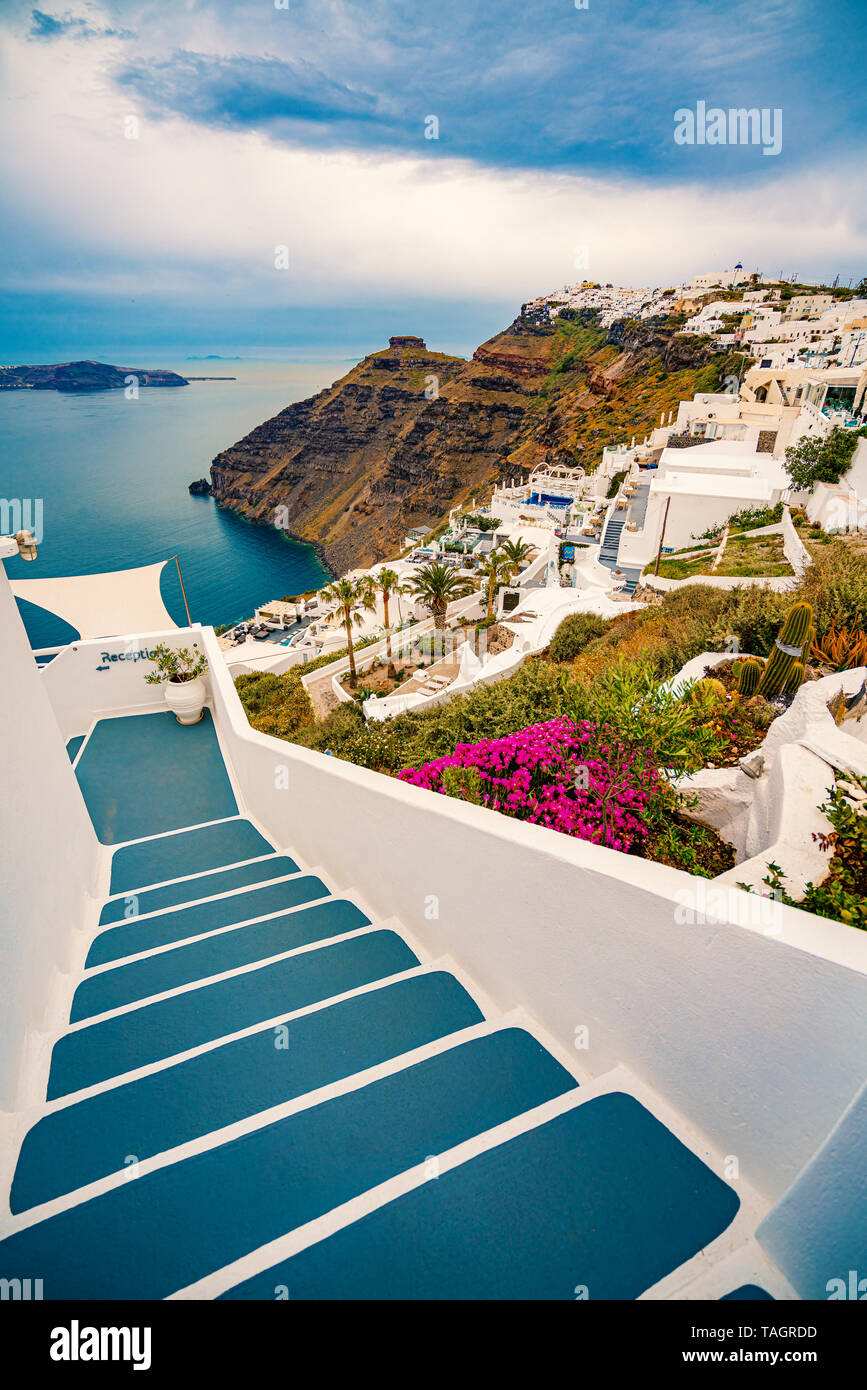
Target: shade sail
<point>102,605</point>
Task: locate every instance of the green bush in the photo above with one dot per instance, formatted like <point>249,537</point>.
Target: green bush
<point>751,518</point>
<point>842,894</point>
<point>836,585</point>
<point>276,705</point>
<point>534,693</point>
<point>573,634</point>
<point>812,460</point>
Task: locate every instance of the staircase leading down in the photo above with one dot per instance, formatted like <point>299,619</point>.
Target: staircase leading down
<point>264,1093</point>
<point>609,548</point>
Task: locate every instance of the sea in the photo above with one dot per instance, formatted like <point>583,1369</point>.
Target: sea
<point>111,477</point>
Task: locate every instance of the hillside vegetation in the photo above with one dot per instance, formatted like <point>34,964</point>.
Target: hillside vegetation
<point>409,433</point>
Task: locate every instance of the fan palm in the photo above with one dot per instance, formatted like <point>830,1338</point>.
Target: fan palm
<point>350,595</point>
<point>388,583</point>
<point>515,552</point>
<point>496,569</point>
<point>436,586</point>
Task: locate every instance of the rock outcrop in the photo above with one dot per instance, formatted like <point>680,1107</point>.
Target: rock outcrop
<point>408,433</point>
<point>392,445</point>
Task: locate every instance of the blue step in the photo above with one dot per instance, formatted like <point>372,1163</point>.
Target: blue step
<point>186,852</point>
<point>133,905</point>
<point>157,1234</point>
<point>110,989</point>
<point>603,1199</point>
<point>73,746</point>
<point>159,1030</point>
<point>130,938</point>
<point>146,773</point>
<point>88,1140</point>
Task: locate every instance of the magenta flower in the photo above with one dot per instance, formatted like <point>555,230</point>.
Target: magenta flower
<point>547,775</point>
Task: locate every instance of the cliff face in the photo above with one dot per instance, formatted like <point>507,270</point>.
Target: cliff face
<point>606,386</point>
<point>393,444</point>
<point>408,433</point>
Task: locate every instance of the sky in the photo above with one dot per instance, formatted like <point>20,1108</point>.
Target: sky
<point>290,177</point>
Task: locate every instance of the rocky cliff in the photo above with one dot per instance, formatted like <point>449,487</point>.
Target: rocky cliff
<point>408,433</point>
<point>391,445</point>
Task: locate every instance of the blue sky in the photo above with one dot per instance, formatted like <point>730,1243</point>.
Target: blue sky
<point>157,154</point>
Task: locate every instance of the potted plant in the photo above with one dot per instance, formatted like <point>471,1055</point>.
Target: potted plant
<point>181,670</point>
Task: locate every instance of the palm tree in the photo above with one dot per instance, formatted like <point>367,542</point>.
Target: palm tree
<point>388,583</point>
<point>436,586</point>
<point>515,552</point>
<point>496,569</point>
<point>350,595</point>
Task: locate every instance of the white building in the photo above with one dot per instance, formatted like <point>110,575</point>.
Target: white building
<point>718,279</point>
<point>696,488</point>
<point>551,497</point>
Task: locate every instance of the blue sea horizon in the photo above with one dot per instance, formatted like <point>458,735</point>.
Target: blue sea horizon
<point>112,477</point>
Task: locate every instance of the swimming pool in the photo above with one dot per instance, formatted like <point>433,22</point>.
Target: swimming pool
<point>548,499</point>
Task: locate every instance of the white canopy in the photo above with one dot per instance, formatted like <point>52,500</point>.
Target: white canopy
<point>102,605</point>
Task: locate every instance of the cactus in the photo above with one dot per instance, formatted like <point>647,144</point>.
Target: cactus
<point>795,678</point>
<point>706,688</point>
<point>795,632</point>
<point>748,673</point>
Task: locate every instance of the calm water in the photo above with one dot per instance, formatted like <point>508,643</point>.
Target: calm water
<point>113,474</point>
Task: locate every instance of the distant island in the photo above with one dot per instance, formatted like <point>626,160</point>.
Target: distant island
<point>83,376</point>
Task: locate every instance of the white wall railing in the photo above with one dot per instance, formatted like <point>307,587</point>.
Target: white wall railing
<point>711,1012</point>
<point>794,549</point>
<point>703,999</point>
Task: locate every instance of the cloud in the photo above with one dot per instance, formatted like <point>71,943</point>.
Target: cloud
<point>512,85</point>
<point>195,214</point>
<point>247,142</point>
<point>246,92</point>
<point>49,26</point>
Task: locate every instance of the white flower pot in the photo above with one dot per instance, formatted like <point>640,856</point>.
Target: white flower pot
<point>186,699</point>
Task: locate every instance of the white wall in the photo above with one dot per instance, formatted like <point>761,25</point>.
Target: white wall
<point>757,1039</point>
<point>857,473</point>
<point>816,1233</point>
<point>49,858</point>
<point>794,549</point>
<point>79,690</point>
<point>714,1016</point>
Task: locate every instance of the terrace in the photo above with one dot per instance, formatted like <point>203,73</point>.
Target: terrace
<point>240,969</point>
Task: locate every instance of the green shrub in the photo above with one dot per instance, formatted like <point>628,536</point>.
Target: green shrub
<point>836,585</point>
<point>842,894</point>
<point>574,633</point>
<point>751,518</point>
<point>534,693</point>
<point>276,705</point>
<point>813,460</point>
